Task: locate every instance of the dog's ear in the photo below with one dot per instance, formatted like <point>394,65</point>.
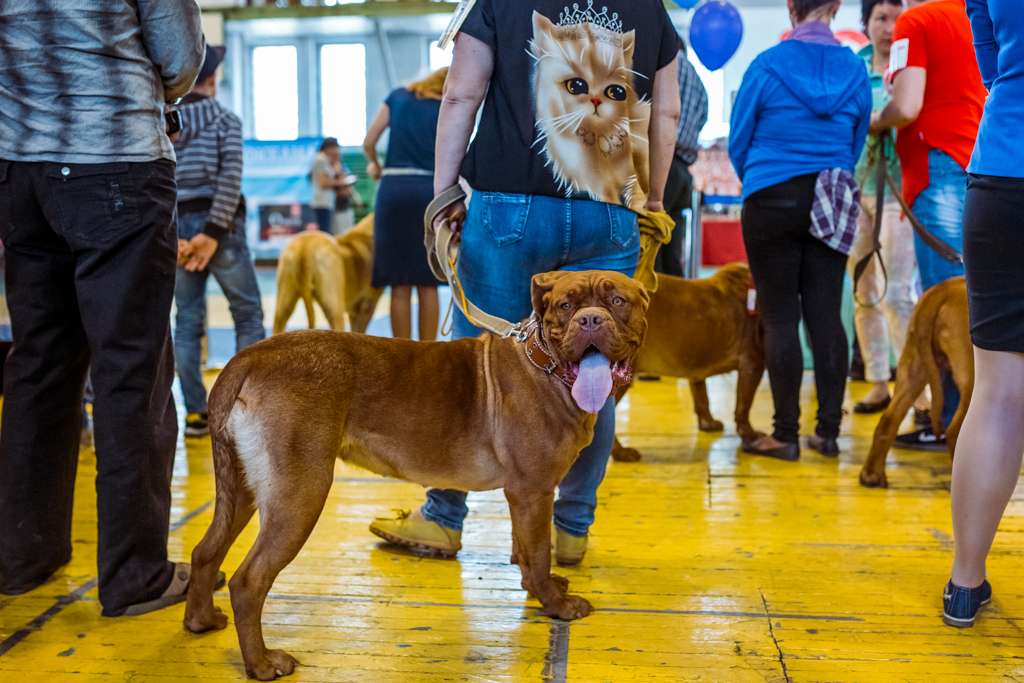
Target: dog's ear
<point>540,287</point>
<point>645,296</point>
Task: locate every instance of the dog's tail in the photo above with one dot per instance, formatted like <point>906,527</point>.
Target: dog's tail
<point>922,332</point>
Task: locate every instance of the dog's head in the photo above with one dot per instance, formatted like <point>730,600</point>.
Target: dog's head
<point>593,323</point>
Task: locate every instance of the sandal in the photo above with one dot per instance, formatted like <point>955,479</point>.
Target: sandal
<point>176,592</point>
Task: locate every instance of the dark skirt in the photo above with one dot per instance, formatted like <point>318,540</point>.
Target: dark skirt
<point>993,230</point>
<point>399,257</point>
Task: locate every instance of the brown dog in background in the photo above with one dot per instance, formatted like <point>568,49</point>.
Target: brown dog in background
<point>336,272</point>
<point>472,414</point>
<point>697,329</point>
<point>939,337</point>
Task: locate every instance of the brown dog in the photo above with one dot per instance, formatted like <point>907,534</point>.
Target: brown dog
<point>697,329</point>
<point>939,337</point>
<point>333,271</point>
<point>478,414</point>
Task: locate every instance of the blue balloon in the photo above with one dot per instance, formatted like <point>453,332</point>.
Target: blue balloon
<point>715,33</point>
<point>686,4</point>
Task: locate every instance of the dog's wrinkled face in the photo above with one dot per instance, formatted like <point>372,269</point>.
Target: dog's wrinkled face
<point>593,323</point>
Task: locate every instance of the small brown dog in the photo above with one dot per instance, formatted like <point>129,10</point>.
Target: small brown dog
<point>939,337</point>
<point>335,272</point>
<point>697,329</point>
<point>471,414</point>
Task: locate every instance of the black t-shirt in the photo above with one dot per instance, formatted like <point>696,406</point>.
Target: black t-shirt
<point>568,108</point>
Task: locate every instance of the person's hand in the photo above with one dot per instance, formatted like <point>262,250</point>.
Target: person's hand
<point>873,127</point>
<point>373,170</point>
<point>654,206</point>
<point>457,213</point>
<point>184,252</point>
<point>203,248</point>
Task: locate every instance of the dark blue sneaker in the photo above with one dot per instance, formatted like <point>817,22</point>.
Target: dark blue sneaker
<point>959,605</point>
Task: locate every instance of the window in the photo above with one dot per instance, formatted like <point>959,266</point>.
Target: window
<point>440,58</point>
<point>343,92</point>
<point>714,82</point>
<point>275,92</point>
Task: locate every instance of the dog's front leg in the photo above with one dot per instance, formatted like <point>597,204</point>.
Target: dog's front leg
<point>531,510</point>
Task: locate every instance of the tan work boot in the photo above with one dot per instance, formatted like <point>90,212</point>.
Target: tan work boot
<point>569,550</point>
<point>413,531</point>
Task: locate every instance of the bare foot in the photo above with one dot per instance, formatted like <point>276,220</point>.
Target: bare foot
<point>878,393</point>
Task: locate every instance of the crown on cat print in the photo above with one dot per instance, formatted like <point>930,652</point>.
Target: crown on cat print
<point>590,15</point>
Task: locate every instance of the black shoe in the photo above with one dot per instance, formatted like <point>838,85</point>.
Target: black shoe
<point>867,408</point>
<point>789,452</point>
<point>960,605</point>
<point>827,447</point>
<point>922,418</point>
<point>921,440</point>
<point>197,424</point>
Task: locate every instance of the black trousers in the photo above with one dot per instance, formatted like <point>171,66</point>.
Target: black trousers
<point>678,196</point>
<point>795,273</point>
<point>91,251</point>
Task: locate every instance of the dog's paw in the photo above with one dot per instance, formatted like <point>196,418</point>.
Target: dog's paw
<point>561,583</point>
<point>274,663</point>
<point>569,607</point>
<point>212,621</point>
<point>625,454</point>
<point>710,425</point>
<point>873,480</point>
<point>750,435</point>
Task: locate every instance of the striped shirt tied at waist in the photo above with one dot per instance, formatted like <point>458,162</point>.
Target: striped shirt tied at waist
<point>835,209</point>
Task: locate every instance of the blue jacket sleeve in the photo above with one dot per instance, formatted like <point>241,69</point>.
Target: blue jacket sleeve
<point>985,45</point>
<point>864,102</point>
<point>745,111</point>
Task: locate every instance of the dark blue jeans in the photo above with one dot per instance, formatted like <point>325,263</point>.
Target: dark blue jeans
<point>234,271</point>
<point>506,240</point>
<point>940,208</point>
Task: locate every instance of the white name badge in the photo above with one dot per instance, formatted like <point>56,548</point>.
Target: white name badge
<point>898,55</point>
<point>458,18</point>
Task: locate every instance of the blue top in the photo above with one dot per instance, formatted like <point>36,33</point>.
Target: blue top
<point>413,130</point>
<point>802,108</point>
<point>998,27</point>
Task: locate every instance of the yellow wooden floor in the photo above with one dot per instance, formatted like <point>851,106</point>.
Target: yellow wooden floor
<point>704,565</point>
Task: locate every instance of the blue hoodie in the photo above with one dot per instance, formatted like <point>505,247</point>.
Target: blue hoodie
<point>802,108</point>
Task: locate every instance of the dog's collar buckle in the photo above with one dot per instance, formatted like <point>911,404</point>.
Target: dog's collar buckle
<point>550,366</point>
<point>521,330</point>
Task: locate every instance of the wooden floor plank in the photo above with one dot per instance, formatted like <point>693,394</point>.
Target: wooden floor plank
<point>704,564</point>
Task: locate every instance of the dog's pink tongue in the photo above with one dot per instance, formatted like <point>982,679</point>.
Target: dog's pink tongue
<point>594,383</point>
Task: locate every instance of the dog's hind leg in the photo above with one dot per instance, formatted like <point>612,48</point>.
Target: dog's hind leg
<point>531,509</point>
<point>287,298</point>
<point>910,381</point>
<point>619,452</point>
<point>705,420</point>
<point>230,517</point>
<point>293,504</point>
<point>749,377</point>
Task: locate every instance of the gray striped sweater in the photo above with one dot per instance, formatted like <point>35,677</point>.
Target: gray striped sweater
<point>210,161</point>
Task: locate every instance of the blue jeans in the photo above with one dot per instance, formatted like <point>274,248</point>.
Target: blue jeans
<point>234,271</point>
<point>940,208</point>
<point>507,238</point>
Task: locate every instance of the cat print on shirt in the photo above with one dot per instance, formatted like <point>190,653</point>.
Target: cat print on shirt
<point>590,120</point>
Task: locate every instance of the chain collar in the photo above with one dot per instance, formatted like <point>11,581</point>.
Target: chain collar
<point>538,355</point>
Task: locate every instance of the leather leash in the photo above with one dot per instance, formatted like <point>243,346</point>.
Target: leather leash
<point>936,244</point>
<point>443,254</point>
